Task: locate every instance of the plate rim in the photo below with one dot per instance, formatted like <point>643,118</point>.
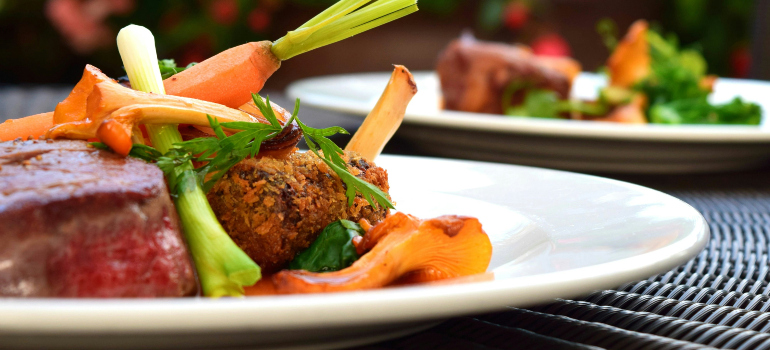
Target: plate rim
<point>182,314</point>
<point>578,129</point>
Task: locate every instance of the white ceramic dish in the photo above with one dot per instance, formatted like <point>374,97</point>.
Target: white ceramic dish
<point>563,144</point>
<point>555,234</point>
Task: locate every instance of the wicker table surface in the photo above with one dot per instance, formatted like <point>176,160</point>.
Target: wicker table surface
<point>720,299</point>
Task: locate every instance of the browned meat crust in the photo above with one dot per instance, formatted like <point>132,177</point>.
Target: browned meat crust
<point>274,208</point>
<point>474,74</point>
<point>79,222</point>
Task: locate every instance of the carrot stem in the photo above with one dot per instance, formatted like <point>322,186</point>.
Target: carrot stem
<point>342,20</point>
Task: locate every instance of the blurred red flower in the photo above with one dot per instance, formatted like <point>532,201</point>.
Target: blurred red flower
<point>551,45</point>
<point>516,15</point>
<point>258,20</point>
<point>81,22</point>
<point>224,11</point>
<point>740,62</point>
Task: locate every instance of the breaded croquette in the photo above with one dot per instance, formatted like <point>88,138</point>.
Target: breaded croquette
<point>275,208</point>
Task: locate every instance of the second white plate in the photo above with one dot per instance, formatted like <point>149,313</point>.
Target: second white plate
<point>562,144</point>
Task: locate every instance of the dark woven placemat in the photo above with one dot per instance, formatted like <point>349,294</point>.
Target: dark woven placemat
<point>717,300</point>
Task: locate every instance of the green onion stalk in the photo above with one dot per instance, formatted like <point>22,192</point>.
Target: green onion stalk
<point>223,268</point>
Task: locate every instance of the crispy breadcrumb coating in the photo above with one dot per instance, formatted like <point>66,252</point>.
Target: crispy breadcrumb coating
<point>274,208</point>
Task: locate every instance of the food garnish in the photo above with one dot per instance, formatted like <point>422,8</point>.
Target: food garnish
<point>169,68</point>
<point>333,250</point>
<point>400,249</point>
<point>223,268</point>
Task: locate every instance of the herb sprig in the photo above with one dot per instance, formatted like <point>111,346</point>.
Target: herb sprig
<point>168,68</point>
<point>220,153</point>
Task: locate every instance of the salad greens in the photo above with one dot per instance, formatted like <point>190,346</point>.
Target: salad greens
<point>333,250</point>
<point>543,103</point>
<point>697,111</point>
<point>675,91</point>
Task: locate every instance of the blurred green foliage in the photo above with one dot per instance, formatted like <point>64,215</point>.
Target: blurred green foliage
<point>720,29</point>
<point>193,30</point>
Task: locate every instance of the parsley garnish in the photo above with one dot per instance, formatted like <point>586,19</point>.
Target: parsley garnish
<point>220,153</point>
<point>168,68</point>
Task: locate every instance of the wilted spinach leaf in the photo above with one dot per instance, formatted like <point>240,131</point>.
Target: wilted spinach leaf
<point>333,250</point>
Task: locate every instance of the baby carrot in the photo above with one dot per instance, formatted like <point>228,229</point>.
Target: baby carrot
<point>228,78</point>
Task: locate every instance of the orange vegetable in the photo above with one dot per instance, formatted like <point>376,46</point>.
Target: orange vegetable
<point>228,78</point>
<point>119,110</point>
<point>401,248</point>
<point>34,126</point>
<point>112,133</point>
<point>707,82</point>
<point>630,62</point>
<point>386,116</point>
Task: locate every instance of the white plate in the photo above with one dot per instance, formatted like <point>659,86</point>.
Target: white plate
<point>555,234</point>
<point>565,144</point>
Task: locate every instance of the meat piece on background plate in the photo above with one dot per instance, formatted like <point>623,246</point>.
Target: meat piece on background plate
<point>82,222</point>
<point>475,74</point>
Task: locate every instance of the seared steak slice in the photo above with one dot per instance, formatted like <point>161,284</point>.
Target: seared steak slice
<point>79,222</point>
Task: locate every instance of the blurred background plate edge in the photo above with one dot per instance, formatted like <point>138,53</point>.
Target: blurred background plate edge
<point>561,144</point>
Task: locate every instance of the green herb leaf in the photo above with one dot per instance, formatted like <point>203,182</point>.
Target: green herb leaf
<point>140,151</point>
<point>608,30</point>
<point>316,138</point>
<point>699,111</point>
<point>537,103</point>
<point>333,250</point>
<point>541,103</point>
<point>168,68</point>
